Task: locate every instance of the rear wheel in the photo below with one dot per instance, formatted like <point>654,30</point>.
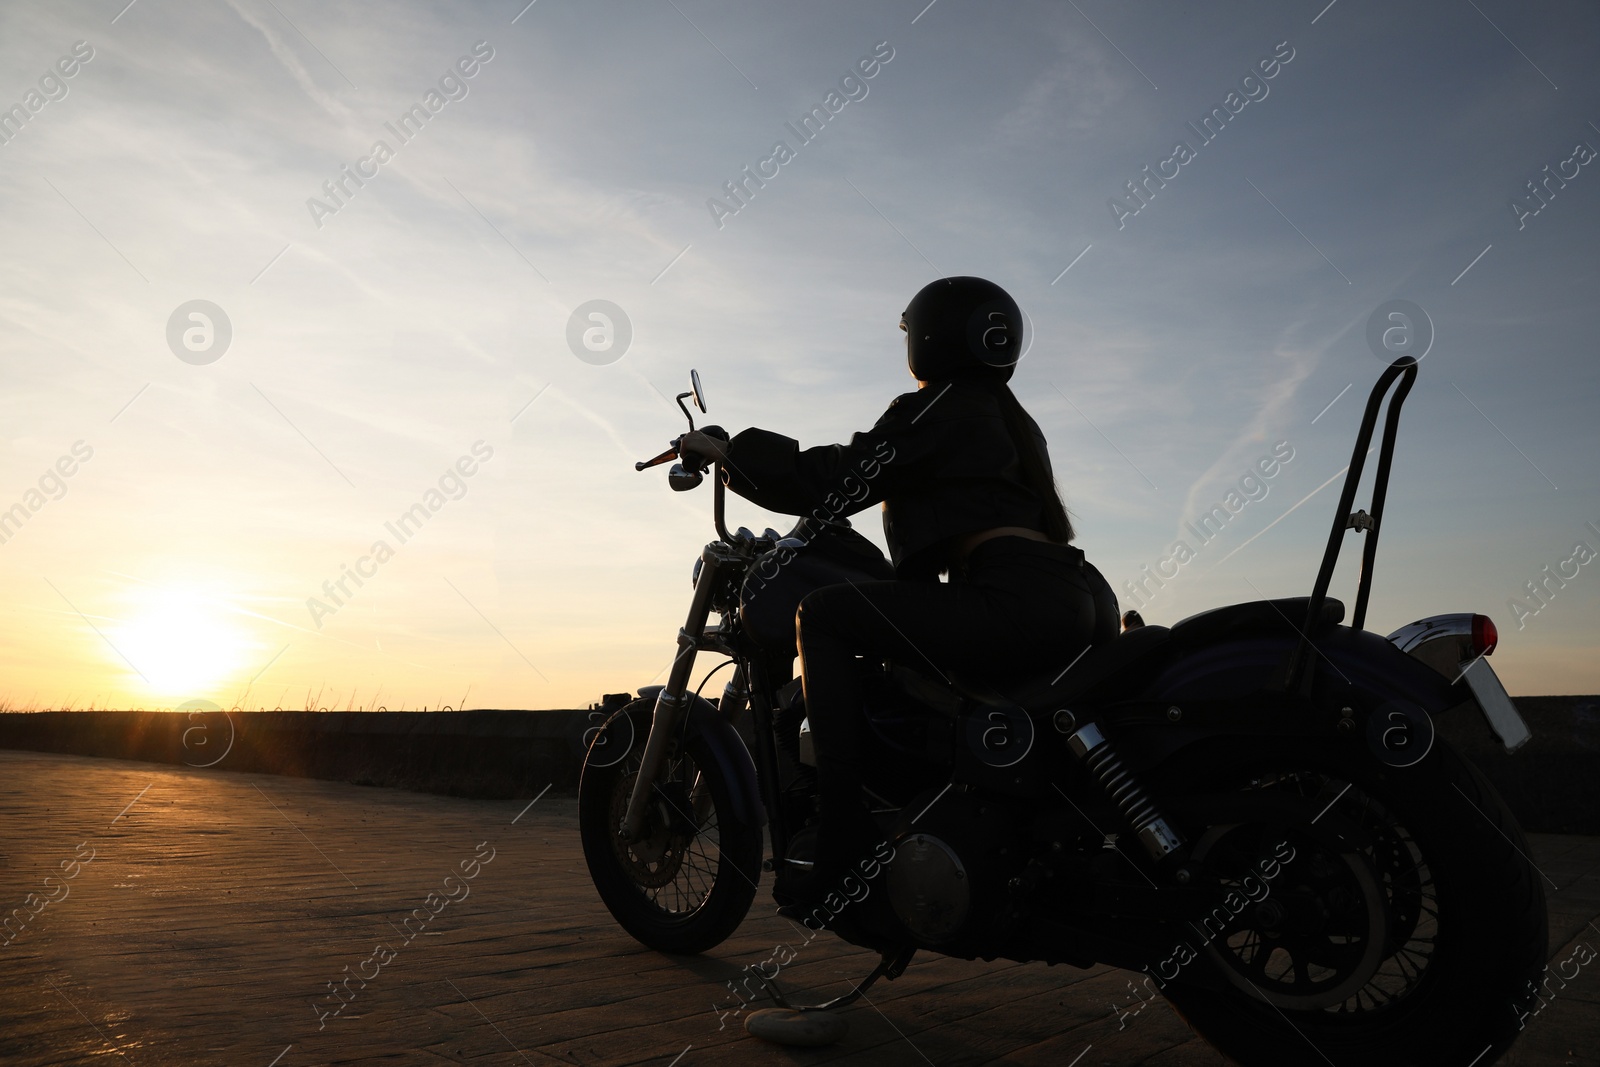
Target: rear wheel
<point>1407,927</point>
<point>689,879</point>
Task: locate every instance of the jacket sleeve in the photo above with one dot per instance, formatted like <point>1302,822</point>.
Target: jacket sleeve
<point>773,472</point>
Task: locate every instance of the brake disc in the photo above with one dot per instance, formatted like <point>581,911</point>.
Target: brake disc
<point>655,859</point>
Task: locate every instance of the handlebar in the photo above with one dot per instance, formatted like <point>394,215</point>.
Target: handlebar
<point>718,501</point>
<point>681,477</point>
<point>675,451</point>
<point>644,464</point>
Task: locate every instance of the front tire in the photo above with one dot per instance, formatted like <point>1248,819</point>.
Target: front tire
<point>1442,929</point>
<point>690,878</point>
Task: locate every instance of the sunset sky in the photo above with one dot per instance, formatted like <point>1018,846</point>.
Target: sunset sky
<point>175,510</point>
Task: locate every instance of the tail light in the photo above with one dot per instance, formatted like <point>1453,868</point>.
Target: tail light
<point>1484,636</point>
<point>1448,642</point>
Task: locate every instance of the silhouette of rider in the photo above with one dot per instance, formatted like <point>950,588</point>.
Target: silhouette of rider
<point>965,481</point>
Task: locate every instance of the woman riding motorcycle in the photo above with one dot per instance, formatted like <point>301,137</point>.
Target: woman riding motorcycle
<point>966,485</point>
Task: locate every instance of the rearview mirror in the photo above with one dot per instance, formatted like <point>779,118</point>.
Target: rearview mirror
<point>682,478</point>
<point>699,390</point>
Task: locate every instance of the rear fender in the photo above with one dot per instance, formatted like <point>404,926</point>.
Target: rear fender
<point>630,725</point>
<point>1349,665</point>
<point>1236,687</point>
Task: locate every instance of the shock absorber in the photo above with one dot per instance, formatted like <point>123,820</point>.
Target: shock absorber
<point>1099,755</point>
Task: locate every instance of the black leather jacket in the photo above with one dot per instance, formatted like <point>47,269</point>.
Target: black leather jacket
<point>940,460</point>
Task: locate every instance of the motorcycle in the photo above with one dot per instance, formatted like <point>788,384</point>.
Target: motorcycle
<point>1251,807</point>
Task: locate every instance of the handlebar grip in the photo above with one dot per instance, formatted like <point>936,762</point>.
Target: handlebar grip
<point>697,461</point>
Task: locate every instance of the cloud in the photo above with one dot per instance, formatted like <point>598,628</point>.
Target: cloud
<point>1293,364</point>
<point>1071,94</point>
<point>297,70</point>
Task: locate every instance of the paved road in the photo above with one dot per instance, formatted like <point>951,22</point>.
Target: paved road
<point>199,917</point>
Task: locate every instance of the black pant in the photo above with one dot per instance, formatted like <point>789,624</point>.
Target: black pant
<point>1016,604</point>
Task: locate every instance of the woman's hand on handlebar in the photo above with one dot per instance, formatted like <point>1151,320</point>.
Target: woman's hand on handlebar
<point>703,445</point>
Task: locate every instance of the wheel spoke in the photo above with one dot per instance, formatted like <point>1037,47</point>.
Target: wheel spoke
<point>687,852</point>
<point>1257,964</point>
<point>1361,922</point>
<point>1302,973</point>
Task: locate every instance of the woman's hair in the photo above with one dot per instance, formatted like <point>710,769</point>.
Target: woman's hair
<point>1035,462</point>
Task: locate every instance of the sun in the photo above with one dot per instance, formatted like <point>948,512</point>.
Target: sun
<point>181,641</point>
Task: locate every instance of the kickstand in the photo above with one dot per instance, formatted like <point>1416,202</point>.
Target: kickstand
<point>893,965</point>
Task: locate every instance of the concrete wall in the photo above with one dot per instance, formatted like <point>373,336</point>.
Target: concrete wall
<point>497,754</point>
<point>1553,784</point>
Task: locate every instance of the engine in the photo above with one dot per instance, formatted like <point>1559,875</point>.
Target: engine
<point>930,888</point>
<point>951,880</point>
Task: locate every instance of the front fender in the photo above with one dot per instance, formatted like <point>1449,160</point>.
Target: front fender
<point>732,758</point>
<point>724,747</point>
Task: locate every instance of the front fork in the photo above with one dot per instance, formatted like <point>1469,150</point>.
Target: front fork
<point>672,703</point>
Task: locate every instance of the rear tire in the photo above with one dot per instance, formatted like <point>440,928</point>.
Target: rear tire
<point>689,880</point>
<point>1459,920</point>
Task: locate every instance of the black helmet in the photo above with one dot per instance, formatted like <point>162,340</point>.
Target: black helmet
<point>962,327</point>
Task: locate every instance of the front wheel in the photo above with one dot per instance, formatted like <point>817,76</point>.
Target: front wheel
<point>1407,929</point>
<point>689,880</point>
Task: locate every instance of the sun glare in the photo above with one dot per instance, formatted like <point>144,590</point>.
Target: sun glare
<point>182,642</point>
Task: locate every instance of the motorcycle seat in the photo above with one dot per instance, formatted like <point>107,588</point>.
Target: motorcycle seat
<point>1048,689</point>
<point>1045,690</point>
